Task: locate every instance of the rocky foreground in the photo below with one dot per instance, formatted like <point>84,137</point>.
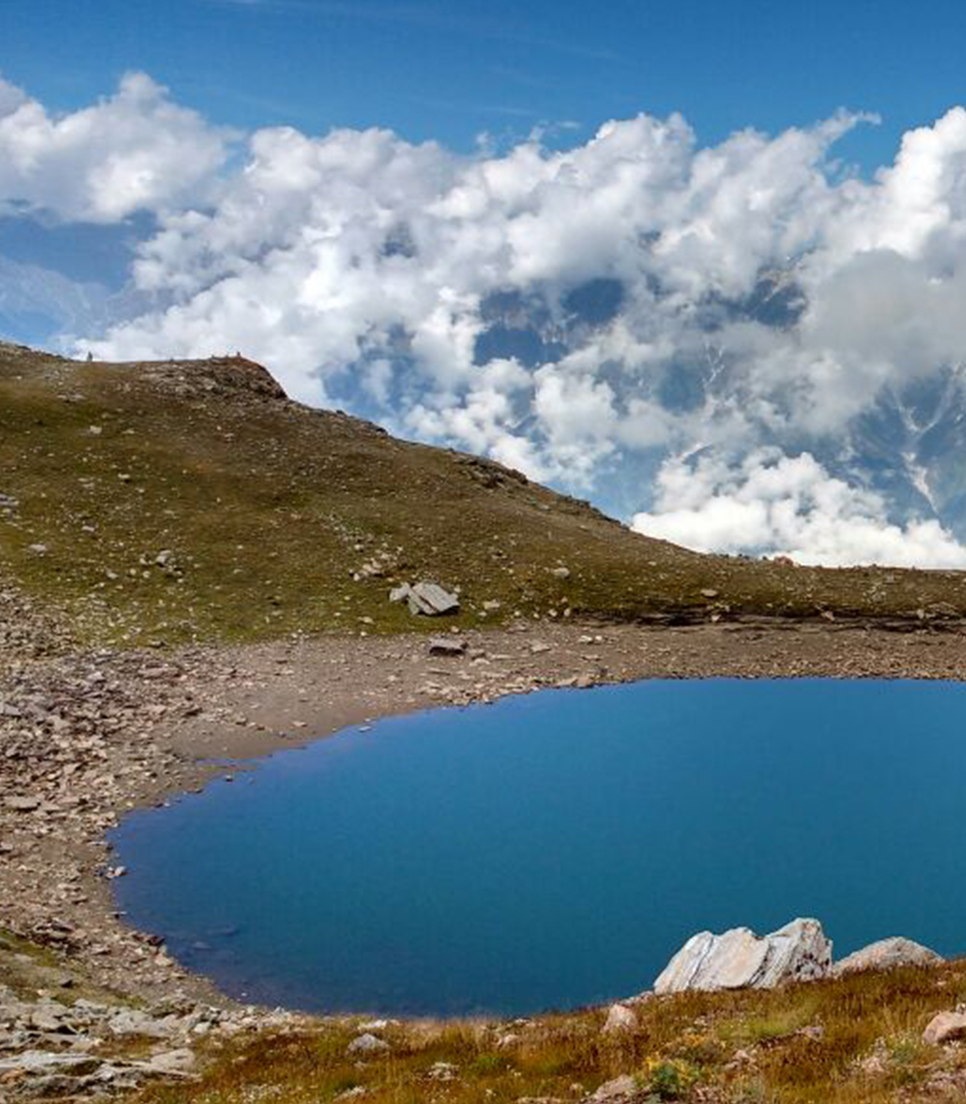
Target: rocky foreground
<point>62,1039</point>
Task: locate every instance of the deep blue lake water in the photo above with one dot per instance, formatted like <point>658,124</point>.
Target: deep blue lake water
<point>556,849</point>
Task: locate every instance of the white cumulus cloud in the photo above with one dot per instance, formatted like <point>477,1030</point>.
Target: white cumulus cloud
<point>135,150</point>
<point>770,503</point>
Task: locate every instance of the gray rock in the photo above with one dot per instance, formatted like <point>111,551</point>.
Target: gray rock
<point>367,1044</point>
<point>131,1021</point>
<point>43,1062</point>
<point>116,1079</point>
<point>55,1086</point>
<point>180,1062</point>
<point>620,1089</point>
<point>44,1019</point>
<point>428,599</point>
<point>442,1071</point>
<point>447,646</point>
<point>946,1027</point>
<point>619,1019</point>
<point>739,959</point>
<point>887,954</point>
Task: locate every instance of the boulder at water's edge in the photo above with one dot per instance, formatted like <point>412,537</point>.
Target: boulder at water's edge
<point>887,954</point>
<point>740,959</point>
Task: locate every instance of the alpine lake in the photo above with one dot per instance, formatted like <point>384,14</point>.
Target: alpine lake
<point>554,850</point>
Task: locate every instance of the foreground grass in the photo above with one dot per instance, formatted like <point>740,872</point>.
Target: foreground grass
<point>840,1041</point>
<point>183,502</point>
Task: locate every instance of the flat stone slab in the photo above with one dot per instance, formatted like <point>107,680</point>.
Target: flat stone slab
<point>43,1061</point>
<point>432,600</point>
<point>428,599</point>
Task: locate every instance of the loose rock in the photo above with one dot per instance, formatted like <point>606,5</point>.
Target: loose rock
<point>619,1019</point>
<point>611,1092</point>
<point>22,804</point>
<point>367,1044</point>
<point>428,599</point>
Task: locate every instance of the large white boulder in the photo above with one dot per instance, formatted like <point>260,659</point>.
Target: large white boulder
<point>367,1043</point>
<point>740,959</point>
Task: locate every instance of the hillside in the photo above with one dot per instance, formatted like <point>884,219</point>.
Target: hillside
<point>177,502</point>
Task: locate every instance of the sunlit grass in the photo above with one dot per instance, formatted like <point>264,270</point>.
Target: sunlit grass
<point>839,1041</point>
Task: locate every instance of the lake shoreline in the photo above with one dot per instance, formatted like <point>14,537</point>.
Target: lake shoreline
<point>134,729</point>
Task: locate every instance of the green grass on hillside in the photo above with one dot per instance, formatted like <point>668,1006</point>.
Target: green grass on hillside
<point>182,502</point>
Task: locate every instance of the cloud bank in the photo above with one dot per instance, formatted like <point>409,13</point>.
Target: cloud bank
<point>788,505</point>
<point>693,332</point>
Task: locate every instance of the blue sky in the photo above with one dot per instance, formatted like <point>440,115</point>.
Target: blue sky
<point>451,70</point>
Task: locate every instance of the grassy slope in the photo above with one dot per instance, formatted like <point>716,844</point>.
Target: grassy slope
<point>268,508</point>
<point>835,1042</point>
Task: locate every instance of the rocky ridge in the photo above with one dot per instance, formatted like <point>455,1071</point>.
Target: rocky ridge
<point>798,952</point>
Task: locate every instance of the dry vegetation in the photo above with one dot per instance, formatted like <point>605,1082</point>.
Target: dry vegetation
<point>839,1042</point>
